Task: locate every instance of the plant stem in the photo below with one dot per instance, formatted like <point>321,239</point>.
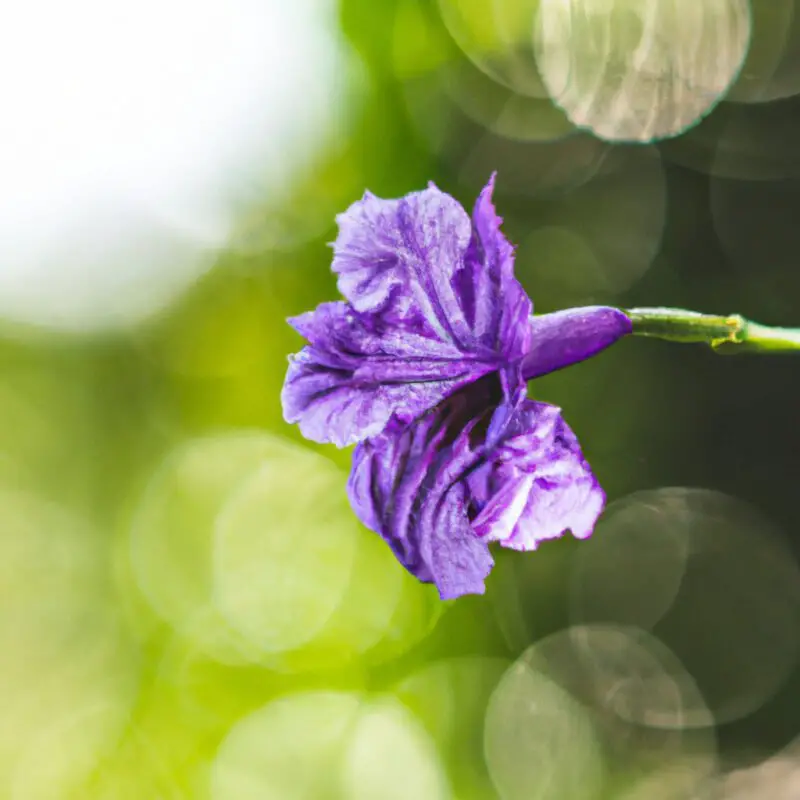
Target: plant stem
<point>725,334</point>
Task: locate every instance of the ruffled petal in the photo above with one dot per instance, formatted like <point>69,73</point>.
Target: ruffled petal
<point>563,338</point>
<point>407,485</point>
<point>396,259</point>
<point>346,384</point>
<point>421,266</point>
<point>486,466</point>
<point>432,305</point>
<point>498,307</point>
<point>535,485</point>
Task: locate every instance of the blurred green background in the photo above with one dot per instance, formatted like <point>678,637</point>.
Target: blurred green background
<point>189,607</point>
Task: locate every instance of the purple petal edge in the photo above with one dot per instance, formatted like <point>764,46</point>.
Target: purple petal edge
<point>406,486</point>
<point>537,485</point>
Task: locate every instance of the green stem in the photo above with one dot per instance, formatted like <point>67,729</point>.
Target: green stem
<point>725,334</point>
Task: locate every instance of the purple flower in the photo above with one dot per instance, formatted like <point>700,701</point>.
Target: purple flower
<point>425,365</point>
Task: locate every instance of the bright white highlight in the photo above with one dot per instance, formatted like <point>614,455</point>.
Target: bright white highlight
<point>130,132</point>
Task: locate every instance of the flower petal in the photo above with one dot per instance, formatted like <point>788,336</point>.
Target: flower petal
<point>500,307</point>
<point>567,337</point>
<point>407,485</point>
<point>396,257</point>
<point>537,484</point>
<point>420,265</point>
<point>432,305</point>
<point>346,384</point>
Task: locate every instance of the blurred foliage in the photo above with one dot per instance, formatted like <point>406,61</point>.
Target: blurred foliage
<point>189,608</point>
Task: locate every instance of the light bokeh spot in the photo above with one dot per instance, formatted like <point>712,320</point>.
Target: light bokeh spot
<point>645,707</point>
<point>625,672</point>
<point>283,551</point>
<point>530,169</point>
<point>450,698</point>
<point>495,36</point>
<point>640,70</point>
<point>245,542</point>
<point>287,750</point>
<point>246,545</point>
<point>539,742</point>
<point>477,125</point>
<point>390,757</point>
<point>328,744</point>
<point>575,254</point>
<point>63,755</point>
<point>365,615</point>
<point>503,112</point>
<point>171,536</point>
<point>630,570</point>
<point>713,579</point>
